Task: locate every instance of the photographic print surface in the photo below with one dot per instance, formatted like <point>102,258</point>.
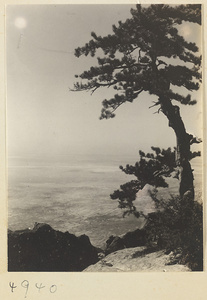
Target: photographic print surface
<point>104,130</point>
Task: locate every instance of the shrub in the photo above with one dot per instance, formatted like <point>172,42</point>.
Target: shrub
<point>177,226</point>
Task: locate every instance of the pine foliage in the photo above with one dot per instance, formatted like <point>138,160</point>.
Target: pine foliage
<point>153,169</point>
<point>135,58</point>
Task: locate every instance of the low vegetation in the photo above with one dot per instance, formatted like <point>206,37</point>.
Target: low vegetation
<point>177,226</point>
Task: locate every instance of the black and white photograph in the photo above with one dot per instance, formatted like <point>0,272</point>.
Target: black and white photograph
<point>105,143</point>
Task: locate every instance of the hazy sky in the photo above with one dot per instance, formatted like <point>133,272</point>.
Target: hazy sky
<point>44,117</point>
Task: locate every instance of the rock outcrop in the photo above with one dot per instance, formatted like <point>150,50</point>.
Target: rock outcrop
<point>45,249</point>
<point>138,259</point>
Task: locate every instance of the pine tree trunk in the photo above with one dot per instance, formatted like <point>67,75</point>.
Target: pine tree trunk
<point>172,112</point>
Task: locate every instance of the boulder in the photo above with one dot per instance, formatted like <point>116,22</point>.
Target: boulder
<point>131,239</point>
<point>46,249</point>
<point>113,244</point>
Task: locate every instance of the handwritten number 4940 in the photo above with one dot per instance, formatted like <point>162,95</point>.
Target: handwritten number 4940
<point>25,285</point>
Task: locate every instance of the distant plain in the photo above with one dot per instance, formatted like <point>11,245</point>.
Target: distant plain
<point>73,194</point>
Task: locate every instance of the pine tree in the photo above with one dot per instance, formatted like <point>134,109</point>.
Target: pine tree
<point>136,59</point>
